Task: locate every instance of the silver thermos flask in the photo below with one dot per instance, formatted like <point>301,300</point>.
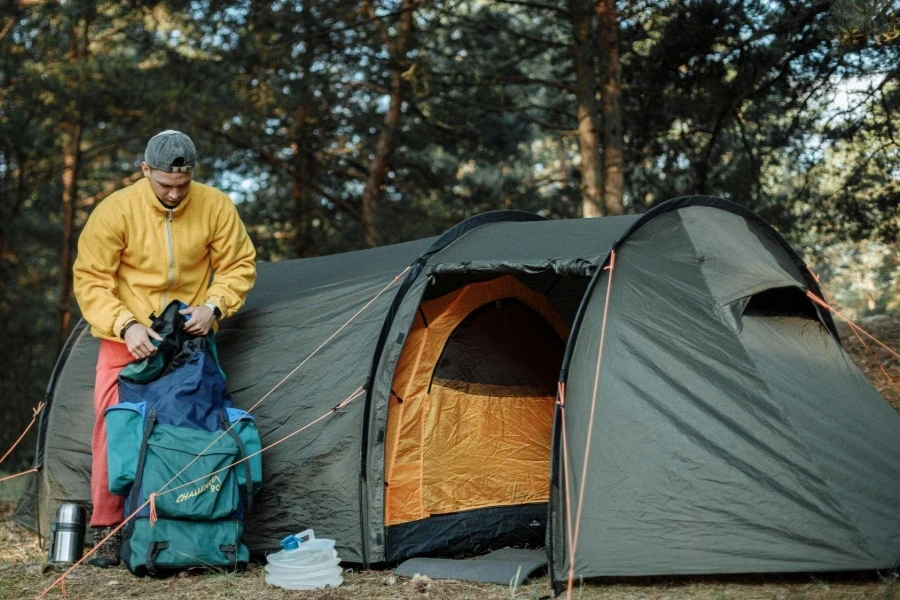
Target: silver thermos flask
<point>67,534</point>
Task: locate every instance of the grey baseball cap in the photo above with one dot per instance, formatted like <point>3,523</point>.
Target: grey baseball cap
<point>171,151</point>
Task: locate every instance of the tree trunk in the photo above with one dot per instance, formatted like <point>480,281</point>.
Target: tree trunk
<point>73,129</point>
<point>586,94</point>
<point>381,163</point>
<point>563,165</point>
<point>611,108</point>
<point>71,164</point>
<point>300,194</point>
<point>302,164</point>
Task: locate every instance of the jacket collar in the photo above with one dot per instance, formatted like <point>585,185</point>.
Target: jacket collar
<point>150,199</point>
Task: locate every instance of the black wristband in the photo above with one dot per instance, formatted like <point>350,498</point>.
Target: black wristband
<point>125,328</point>
<point>217,312</point>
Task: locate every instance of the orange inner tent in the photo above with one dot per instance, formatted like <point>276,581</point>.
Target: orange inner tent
<point>470,416</point>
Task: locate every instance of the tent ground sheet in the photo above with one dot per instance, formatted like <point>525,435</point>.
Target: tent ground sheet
<point>506,566</point>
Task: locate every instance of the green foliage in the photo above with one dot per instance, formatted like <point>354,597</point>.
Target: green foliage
<point>787,108</point>
<point>860,22</point>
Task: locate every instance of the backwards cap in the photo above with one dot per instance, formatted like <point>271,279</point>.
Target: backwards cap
<point>171,151</point>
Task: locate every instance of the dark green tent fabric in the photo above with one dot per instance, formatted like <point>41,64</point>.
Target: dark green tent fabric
<point>731,432</point>
<point>294,308</point>
<point>720,444</point>
<point>63,449</point>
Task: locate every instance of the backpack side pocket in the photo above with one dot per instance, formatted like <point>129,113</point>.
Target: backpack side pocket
<point>244,426</point>
<point>124,431</point>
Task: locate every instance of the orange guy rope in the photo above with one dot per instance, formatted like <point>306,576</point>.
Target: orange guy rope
<point>825,305</point>
<point>8,477</point>
<point>160,491</point>
<point>331,337</point>
<point>35,410</point>
<point>61,578</point>
<point>854,327</point>
<point>286,377</point>
<point>359,392</point>
<point>587,446</point>
<point>152,501</point>
<point>874,358</point>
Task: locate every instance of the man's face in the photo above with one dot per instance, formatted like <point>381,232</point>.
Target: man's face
<point>170,188</point>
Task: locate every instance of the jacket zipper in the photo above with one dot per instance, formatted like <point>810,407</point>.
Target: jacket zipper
<point>171,243</point>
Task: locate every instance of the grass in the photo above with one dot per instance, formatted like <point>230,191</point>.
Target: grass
<point>24,573</point>
<point>29,580</point>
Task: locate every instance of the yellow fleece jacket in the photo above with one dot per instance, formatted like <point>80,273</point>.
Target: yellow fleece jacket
<point>135,256</point>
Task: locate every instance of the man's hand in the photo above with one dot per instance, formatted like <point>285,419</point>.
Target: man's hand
<point>137,339</point>
<point>202,318</point>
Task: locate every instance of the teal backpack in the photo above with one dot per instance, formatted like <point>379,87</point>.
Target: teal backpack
<point>175,432</point>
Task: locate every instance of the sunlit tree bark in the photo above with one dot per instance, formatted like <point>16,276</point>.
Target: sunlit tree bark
<point>611,106</point>
<point>73,129</point>
<point>398,47</point>
<point>583,49</point>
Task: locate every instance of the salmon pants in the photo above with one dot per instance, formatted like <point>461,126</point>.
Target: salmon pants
<point>109,509</point>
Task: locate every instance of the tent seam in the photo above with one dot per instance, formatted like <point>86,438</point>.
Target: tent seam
<point>393,459</point>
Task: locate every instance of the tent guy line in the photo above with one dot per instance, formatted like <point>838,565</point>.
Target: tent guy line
<point>288,376</point>
<point>825,305</point>
<point>62,578</point>
<point>163,490</point>
<point>723,394</point>
<point>150,501</point>
<point>36,411</point>
<point>856,330</point>
<point>587,447</point>
<point>356,394</point>
<point>8,477</point>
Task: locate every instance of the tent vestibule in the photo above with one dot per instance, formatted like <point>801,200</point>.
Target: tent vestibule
<point>469,421</point>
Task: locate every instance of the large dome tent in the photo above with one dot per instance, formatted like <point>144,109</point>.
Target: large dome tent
<point>725,432</point>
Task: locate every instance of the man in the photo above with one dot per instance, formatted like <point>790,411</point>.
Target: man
<point>164,238</point>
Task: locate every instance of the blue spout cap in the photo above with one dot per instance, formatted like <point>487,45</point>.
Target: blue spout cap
<point>290,543</point>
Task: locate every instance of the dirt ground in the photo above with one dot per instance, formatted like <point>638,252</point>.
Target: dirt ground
<point>25,574</point>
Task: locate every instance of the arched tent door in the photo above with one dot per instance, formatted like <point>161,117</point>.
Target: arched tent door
<point>469,424</point>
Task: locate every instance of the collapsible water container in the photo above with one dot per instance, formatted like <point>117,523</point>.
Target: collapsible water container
<point>305,563</point>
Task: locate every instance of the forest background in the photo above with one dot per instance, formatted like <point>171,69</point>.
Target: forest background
<point>338,125</point>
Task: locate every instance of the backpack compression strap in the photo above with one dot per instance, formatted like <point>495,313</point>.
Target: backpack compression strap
<point>134,497</point>
<point>247,489</point>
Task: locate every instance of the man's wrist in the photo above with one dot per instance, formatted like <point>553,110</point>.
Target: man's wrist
<point>217,312</point>
<point>126,327</point>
